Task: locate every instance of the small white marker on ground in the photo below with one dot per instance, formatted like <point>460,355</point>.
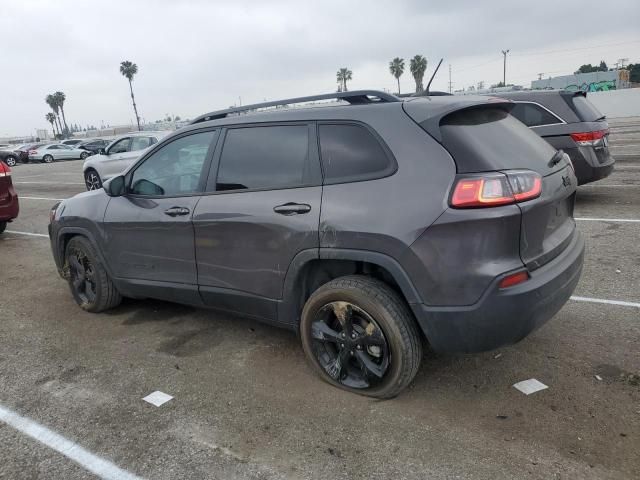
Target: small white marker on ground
<point>157,398</point>
<point>530,386</point>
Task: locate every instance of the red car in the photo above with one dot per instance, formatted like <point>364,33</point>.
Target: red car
<point>8,197</point>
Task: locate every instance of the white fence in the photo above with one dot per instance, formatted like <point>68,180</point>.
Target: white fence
<point>617,103</point>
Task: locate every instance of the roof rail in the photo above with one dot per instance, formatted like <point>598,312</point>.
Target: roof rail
<point>356,97</point>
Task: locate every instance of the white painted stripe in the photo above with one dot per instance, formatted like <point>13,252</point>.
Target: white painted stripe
<point>627,155</point>
<point>587,219</point>
<point>22,197</point>
<point>27,233</point>
<point>596,185</point>
<point>50,183</point>
<point>94,464</point>
<point>605,301</point>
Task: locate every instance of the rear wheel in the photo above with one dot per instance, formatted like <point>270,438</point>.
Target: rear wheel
<point>84,155</point>
<point>11,161</point>
<point>47,158</point>
<point>3,225</point>
<point>89,281</point>
<point>359,335</point>
<point>92,179</point>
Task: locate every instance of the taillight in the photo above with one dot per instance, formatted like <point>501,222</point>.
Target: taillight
<point>589,139</point>
<point>5,170</point>
<point>495,189</point>
<point>514,279</point>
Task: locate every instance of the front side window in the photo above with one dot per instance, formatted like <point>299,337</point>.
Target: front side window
<point>175,169</point>
<point>351,153</point>
<point>120,146</point>
<point>533,115</point>
<point>270,157</point>
<point>138,143</point>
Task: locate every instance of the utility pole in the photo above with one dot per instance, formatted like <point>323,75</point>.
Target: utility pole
<point>622,60</point>
<point>450,84</point>
<point>540,76</point>
<point>504,69</point>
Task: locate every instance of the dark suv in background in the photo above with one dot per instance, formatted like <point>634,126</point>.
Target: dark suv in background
<point>568,121</point>
<point>367,227</point>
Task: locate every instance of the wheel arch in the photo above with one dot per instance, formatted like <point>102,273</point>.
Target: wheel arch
<point>312,268</point>
<point>65,235</point>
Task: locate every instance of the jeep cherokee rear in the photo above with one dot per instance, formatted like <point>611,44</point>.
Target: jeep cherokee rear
<point>356,225</point>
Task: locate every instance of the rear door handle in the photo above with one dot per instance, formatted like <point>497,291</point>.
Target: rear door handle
<point>177,211</point>
<point>292,208</point>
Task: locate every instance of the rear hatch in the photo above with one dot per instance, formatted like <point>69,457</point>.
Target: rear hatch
<point>592,129</point>
<point>486,138</point>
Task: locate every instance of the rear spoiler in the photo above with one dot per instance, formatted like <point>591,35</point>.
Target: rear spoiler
<point>428,112</point>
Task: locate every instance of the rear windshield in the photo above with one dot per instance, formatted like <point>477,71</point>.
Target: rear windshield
<point>585,110</point>
<point>489,138</point>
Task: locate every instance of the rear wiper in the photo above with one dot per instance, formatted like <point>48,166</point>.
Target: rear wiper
<point>559,155</point>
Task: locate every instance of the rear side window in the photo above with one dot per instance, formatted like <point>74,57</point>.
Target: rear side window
<point>489,138</point>
<point>351,153</point>
<point>138,143</point>
<point>586,111</point>
<point>533,115</point>
<point>269,157</point>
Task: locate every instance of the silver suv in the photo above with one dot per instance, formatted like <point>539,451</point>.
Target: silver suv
<point>117,157</point>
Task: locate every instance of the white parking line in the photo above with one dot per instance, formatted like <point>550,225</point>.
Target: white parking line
<point>626,220</point>
<point>27,233</point>
<point>605,301</point>
<point>595,185</point>
<point>96,465</point>
<point>40,198</point>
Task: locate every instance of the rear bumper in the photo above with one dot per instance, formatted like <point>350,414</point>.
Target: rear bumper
<point>589,165</point>
<point>503,317</point>
<point>9,206</point>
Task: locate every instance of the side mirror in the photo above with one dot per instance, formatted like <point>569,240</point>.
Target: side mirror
<point>115,187</point>
<point>102,151</point>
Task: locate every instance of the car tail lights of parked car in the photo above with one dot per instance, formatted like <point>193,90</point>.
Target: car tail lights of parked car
<point>589,139</point>
<point>5,170</point>
<point>495,189</point>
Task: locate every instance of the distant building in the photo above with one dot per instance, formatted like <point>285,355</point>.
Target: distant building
<point>586,82</point>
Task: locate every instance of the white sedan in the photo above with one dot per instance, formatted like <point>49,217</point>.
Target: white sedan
<point>56,151</point>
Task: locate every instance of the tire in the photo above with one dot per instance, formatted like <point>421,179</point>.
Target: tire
<point>47,159</point>
<point>84,155</point>
<point>92,179</point>
<point>90,285</point>
<point>385,349</point>
<point>3,225</point>
<point>11,161</point>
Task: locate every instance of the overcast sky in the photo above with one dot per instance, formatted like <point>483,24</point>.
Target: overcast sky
<point>197,56</point>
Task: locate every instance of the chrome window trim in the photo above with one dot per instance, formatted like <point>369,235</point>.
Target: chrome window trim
<point>561,121</point>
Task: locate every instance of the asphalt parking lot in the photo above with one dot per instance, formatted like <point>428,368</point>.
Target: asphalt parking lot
<point>246,405</point>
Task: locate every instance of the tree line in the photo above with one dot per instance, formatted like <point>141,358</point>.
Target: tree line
<point>417,67</point>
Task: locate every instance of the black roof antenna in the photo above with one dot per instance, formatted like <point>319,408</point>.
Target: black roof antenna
<point>432,76</point>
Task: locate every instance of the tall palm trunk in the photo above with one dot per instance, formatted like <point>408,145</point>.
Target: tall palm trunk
<point>53,127</point>
<point>398,79</point>
<point>66,129</point>
<point>60,130</point>
<point>133,100</point>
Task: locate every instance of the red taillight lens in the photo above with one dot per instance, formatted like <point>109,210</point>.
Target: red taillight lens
<point>513,279</point>
<point>495,189</point>
<point>585,139</point>
<point>5,170</point>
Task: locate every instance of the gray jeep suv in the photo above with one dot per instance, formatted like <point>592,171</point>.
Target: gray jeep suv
<point>368,226</point>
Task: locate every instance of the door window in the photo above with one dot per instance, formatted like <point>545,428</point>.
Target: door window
<point>533,115</point>
<point>270,157</point>
<point>138,143</point>
<point>174,169</point>
<point>120,146</point>
<point>352,153</point>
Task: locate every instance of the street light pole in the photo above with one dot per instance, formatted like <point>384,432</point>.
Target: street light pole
<point>504,69</point>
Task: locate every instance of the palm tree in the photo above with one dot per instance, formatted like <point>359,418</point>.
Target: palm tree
<point>51,118</point>
<point>396,67</point>
<point>60,99</point>
<point>418,66</point>
<point>53,103</point>
<point>342,76</point>
<point>129,69</point>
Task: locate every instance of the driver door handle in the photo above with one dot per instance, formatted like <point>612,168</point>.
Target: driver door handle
<point>177,211</point>
<point>292,208</point>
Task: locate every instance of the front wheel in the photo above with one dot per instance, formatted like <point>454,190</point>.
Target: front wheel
<point>47,158</point>
<point>11,161</point>
<point>89,281</point>
<point>359,335</point>
<point>92,179</point>
<point>84,155</point>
